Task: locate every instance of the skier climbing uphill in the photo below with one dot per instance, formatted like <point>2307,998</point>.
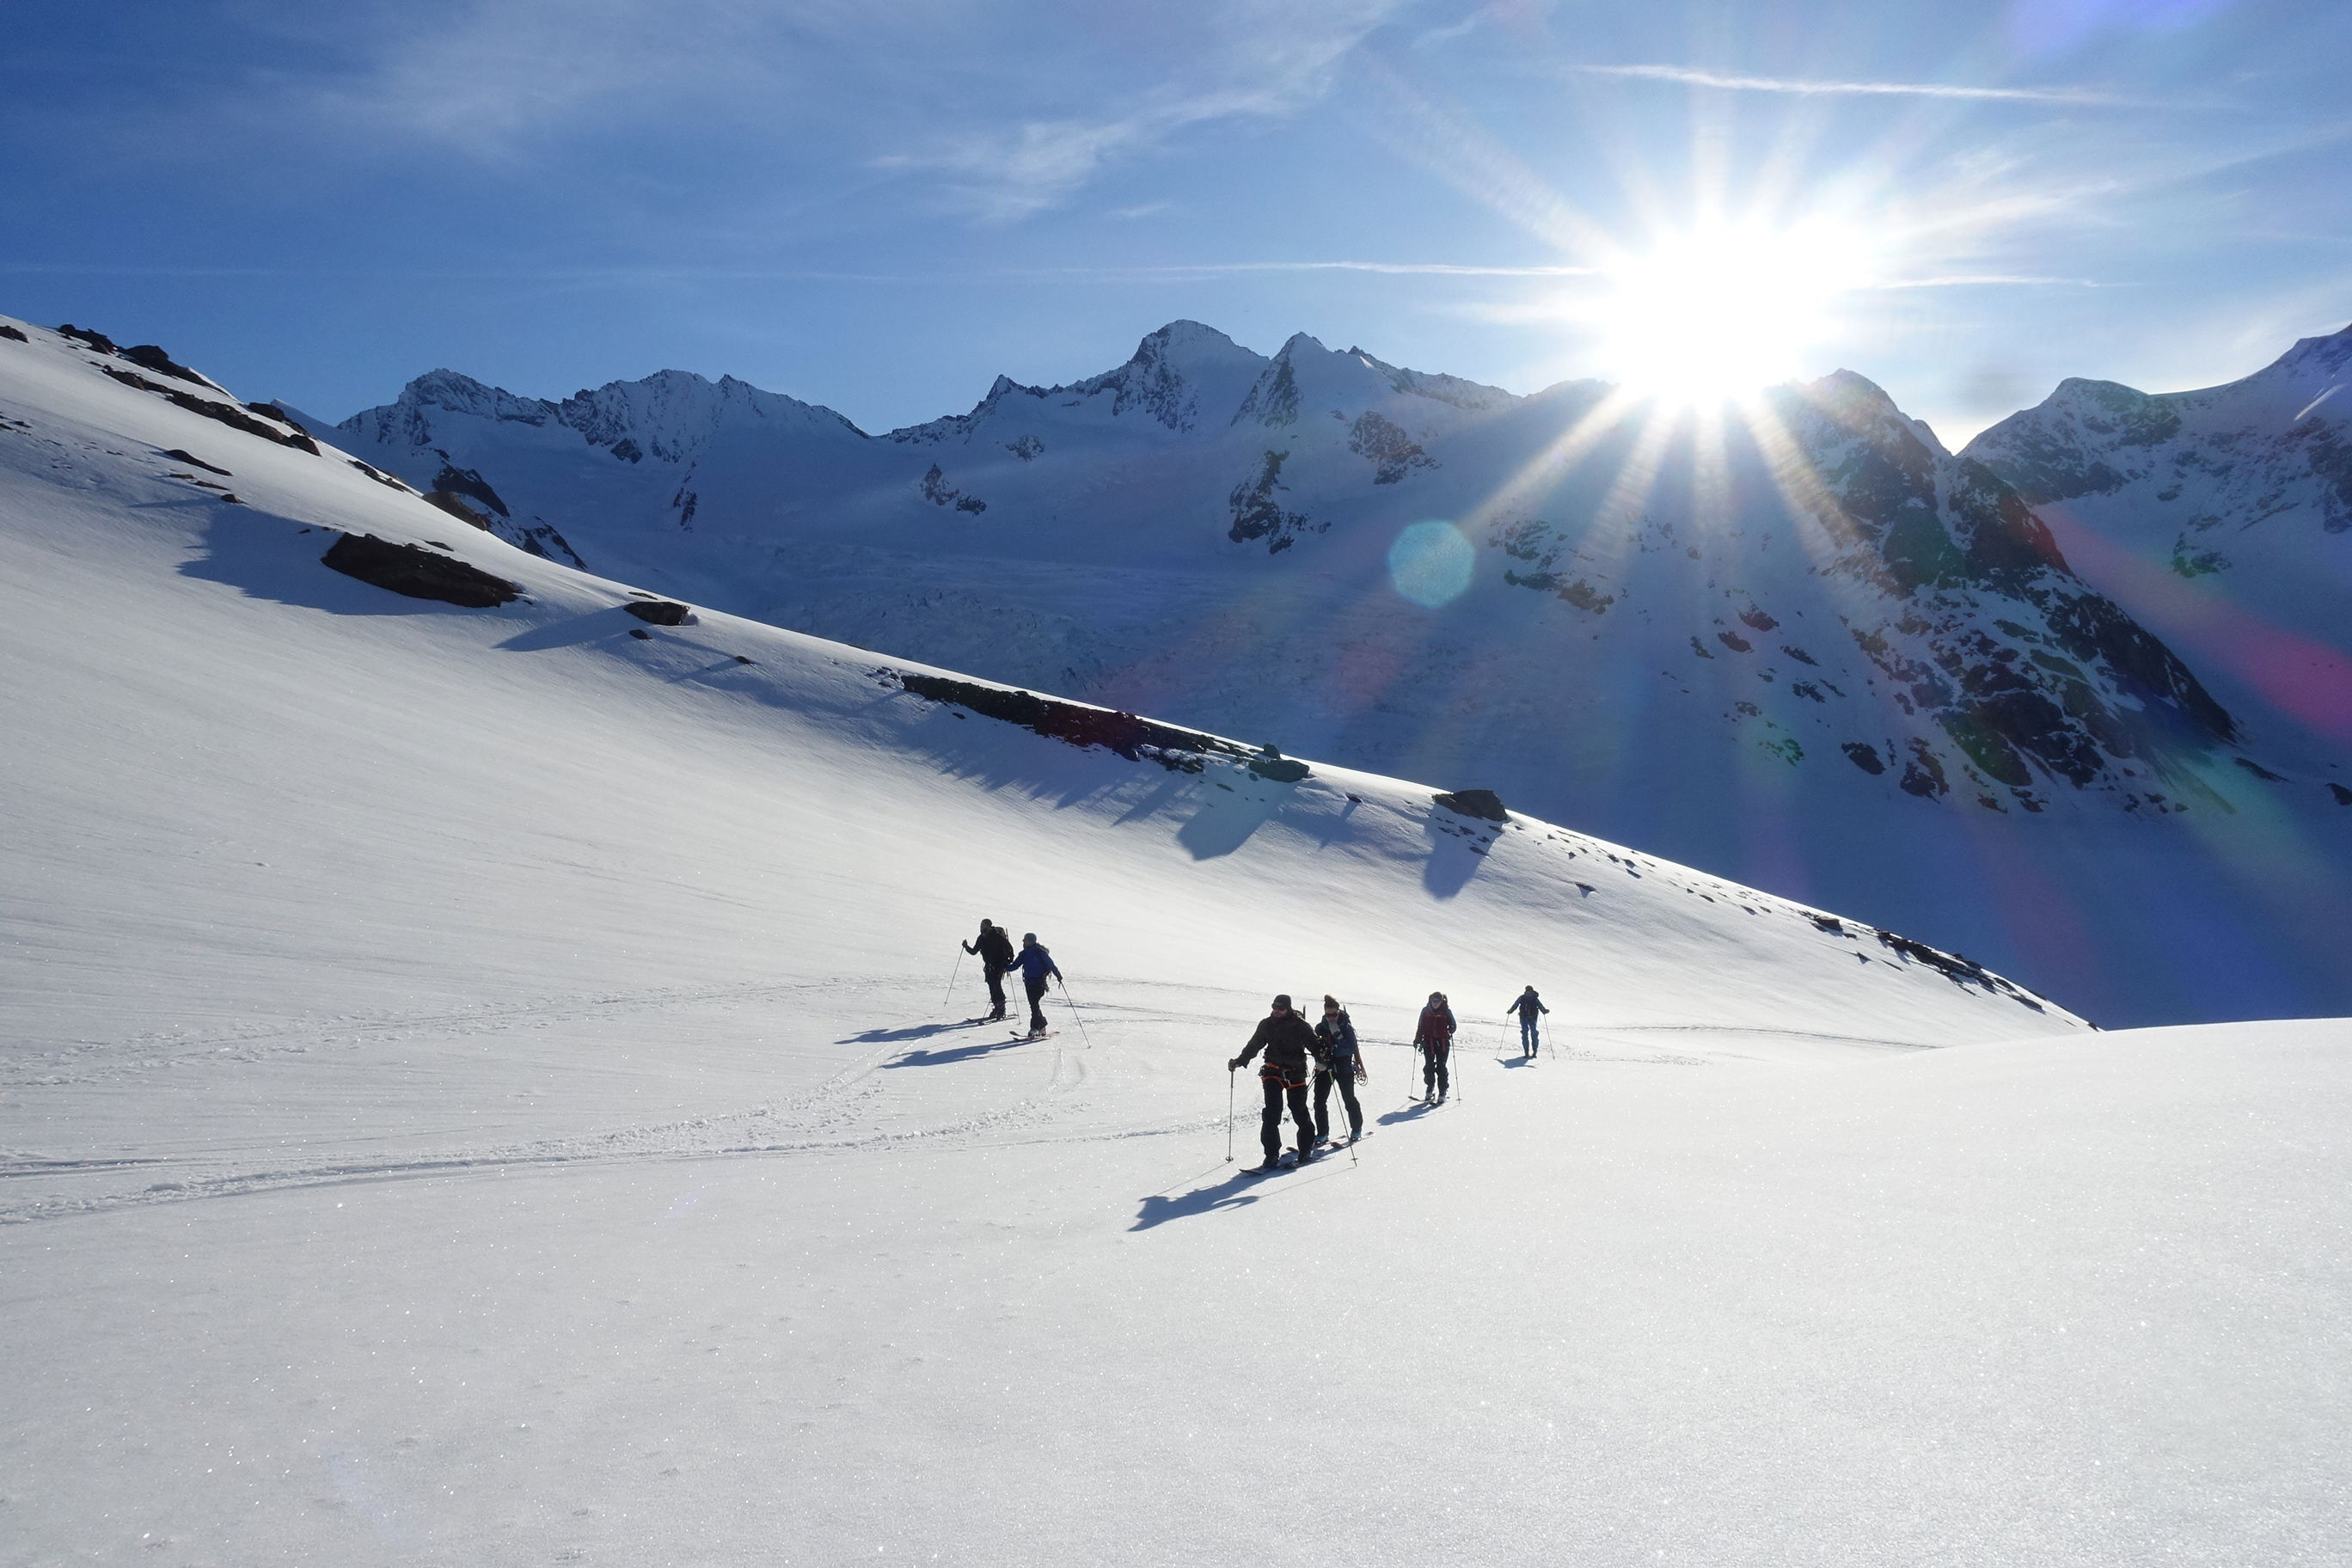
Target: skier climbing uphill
<point>1434,1039</point>
<point>1337,1062</point>
<point>1035,964</point>
<point>994,950</point>
<point>1288,1041</point>
<point>1529,1007</point>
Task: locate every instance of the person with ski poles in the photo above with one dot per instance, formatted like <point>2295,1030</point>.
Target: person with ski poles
<point>1337,1062</point>
<point>1288,1042</point>
<point>1529,1007</point>
<point>994,950</point>
<point>1036,964</point>
<point>1433,1036</point>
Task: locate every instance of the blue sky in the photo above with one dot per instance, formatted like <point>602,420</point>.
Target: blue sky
<point>881,204</point>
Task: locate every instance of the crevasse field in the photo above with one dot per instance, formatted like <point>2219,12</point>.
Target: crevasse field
<point>475,1086</point>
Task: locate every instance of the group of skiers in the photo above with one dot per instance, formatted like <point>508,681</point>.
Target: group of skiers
<point>1297,1054</point>
<point>997,959</point>
<point>1328,1055</point>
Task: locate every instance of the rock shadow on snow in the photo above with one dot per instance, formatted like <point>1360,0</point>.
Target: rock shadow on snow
<point>269,557</point>
<point>595,626</point>
<point>1227,819</point>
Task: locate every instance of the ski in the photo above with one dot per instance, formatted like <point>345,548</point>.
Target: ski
<point>1042,1035</point>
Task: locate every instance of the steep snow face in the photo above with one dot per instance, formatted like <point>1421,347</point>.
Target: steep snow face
<point>2223,517</point>
<point>1818,652</point>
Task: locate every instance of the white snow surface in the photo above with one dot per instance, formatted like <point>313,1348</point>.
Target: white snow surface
<point>475,1087</point>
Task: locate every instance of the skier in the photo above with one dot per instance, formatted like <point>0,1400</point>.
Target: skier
<point>1034,965</point>
<point>1529,1007</point>
<point>1337,1062</point>
<point>994,950</point>
<point>1288,1042</point>
<point>1434,1039</point>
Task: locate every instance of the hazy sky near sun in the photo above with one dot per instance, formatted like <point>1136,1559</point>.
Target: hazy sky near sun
<point>881,204</point>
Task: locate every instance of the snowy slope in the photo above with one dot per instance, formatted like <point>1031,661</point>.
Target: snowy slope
<point>477,1090</point>
<point>1820,654</point>
<point>2223,518</point>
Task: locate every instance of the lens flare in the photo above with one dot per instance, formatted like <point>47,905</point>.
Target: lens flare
<point>1431,563</point>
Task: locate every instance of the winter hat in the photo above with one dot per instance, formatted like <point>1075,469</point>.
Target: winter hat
<point>1282,1000</point>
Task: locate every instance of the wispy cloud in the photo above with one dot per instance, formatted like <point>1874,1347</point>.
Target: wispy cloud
<point>1239,61</point>
<point>1808,87</point>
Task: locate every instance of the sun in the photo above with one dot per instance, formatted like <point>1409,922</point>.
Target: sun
<point>1718,311</point>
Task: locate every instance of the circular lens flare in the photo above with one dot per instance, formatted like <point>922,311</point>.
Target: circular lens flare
<point>1722,309</point>
<point>1431,563</point>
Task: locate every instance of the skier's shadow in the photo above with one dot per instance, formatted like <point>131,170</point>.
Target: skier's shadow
<point>912,1032</point>
<point>1413,1112</point>
<point>922,1058</point>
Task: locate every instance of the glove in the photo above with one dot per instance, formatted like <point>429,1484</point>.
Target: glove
<point>1235,1065</point>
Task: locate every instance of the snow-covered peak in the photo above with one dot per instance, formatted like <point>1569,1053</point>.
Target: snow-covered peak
<point>672,414</point>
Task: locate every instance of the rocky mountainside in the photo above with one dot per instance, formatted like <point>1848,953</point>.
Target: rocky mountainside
<point>1811,648</point>
<point>2221,517</point>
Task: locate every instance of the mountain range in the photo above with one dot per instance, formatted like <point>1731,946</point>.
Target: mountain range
<point>1804,646</point>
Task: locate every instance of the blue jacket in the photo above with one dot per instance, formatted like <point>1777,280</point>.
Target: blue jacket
<point>1034,963</point>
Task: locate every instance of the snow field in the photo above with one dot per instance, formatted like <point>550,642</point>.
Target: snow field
<point>475,1086</point>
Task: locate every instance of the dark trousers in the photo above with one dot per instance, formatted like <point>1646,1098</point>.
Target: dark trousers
<point>995,990</point>
<point>1433,1070</point>
<point>1528,1041</point>
<point>1269,1131</point>
<point>1345,1078</point>
<point>1036,1003</point>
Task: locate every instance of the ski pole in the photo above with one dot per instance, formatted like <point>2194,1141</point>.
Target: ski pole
<point>1075,1013</point>
<point>952,973</point>
<point>1229,1115</point>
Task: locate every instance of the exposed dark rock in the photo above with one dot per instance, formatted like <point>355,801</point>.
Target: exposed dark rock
<point>1735,642</point>
<point>417,572</point>
<point>235,418</point>
<point>13,334</point>
<point>1483,803</point>
<point>457,508</point>
<point>98,341</point>
<point>641,634</point>
<point>457,481</point>
<point>1756,617</point>
<point>1829,923</point>
<point>1392,453</point>
<point>272,411</point>
<point>2342,796</point>
<point>971,503</point>
<point>1922,775</point>
<point>1799,654</point>
<point>193,461</point>
<point>1864,755</point>
<point>658,612</point>
<point>628,451</point>
<point>1275,768</point>
<point>1257,515</point>
<point>2257,769</point>
<point>1075,723</point>
<point>380,477</point>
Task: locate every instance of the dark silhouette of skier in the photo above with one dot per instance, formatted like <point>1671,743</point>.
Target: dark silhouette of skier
<point>1339,1062</point>
<point>1288,1043</point>
<point>1034,965</point>
<point>1529,1007</point>
<point>994,950</point>
<point>1434,1039</point>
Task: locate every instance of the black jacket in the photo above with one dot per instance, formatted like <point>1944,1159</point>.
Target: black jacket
<point>1338,1048</point>
<point>1288,1041</point>
<point>995,949</point>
